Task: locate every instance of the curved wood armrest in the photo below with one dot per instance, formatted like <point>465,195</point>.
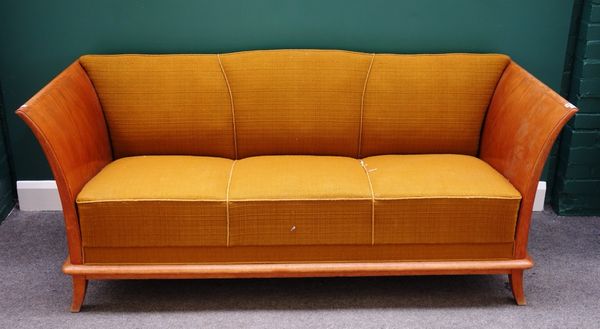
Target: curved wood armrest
<point>523,121</point>
<point>67,120</point>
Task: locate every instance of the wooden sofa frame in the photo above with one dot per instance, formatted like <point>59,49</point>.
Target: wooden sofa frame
<point>522,123</point>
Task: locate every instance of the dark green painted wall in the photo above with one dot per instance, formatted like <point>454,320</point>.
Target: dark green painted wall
<point>39,38</point>
<point>577,190</point>
<point>7,197</point>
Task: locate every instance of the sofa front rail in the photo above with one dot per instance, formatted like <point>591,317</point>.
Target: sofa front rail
<point>82,273</point>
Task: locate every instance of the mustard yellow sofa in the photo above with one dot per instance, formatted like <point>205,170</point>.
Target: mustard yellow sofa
<point>291,163</point>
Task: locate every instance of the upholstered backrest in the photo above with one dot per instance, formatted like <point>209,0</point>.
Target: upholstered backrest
<point>172,104</point>
<point>321,102</point>
<point>428,103</point>
<point>297,102</point>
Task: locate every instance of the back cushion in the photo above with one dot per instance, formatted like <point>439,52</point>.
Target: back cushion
<point>297,101</point>
<point>428,103</point>
<point>164,104</point>
<point>314,102</point>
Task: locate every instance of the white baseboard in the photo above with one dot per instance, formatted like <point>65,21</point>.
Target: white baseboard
<point>540,197</point>
<point>37,195</point>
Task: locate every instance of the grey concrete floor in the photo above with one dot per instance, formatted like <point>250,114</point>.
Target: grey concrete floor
<point>563,290</point>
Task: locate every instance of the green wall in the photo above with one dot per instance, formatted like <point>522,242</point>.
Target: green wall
<point>577,188</point>
<point>39,38</point>
<point>7,197</point>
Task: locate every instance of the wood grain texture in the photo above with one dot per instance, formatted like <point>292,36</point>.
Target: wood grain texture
<point>296,270</point>
<point>523,121</point>
<point>516,284</point>
<point>67,120</point>
<point>79,289</point>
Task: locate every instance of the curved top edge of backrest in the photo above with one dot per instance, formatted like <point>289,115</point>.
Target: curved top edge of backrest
<point>294,50</point>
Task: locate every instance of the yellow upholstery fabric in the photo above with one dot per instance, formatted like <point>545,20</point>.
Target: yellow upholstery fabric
<point>441,198</point>
<point>428,103</point>
<point>158,178</point>
<point>298,177</point>
<point>304,102</point>
<point>298,120</point>
<point>299,200</point>
<point>297,101</point>
<point>439,175</point>
<point>181,201</point>
<point>156,201</point>
<point>163,104</point>
<point>296,254</point>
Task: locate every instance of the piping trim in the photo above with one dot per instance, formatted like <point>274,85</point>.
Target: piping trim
<point>307,199</point>
<point>364,166</point>
<point>362,106</point>
<point>227,198</point>
<point>235,148</point>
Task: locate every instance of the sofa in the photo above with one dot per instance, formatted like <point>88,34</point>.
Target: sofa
<point>295,163</point>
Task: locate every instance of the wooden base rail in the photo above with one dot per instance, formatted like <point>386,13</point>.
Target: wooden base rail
<point>82,273</point>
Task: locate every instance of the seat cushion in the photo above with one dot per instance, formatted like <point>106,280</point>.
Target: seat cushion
<point>441,199</point>
<point>174,202</point>
<point>299,200</point>
<point>156,201</point>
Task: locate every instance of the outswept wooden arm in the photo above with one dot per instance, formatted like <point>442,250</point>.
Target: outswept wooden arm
<point>67,120</point>
<point>522,123</point>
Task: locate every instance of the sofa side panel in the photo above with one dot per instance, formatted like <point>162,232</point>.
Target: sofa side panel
<point>522,123</point>
<point>67,120</point>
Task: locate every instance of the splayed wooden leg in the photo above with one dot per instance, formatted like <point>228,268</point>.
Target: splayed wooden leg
<point>79,289</point>
<point>516,284</point>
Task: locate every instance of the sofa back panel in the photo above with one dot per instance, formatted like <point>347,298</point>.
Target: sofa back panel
<point>311,102</point>
<point>297,101</point>
<point>428,103</point>
<point>164,104</point>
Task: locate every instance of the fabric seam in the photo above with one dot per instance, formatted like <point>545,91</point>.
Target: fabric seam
<point>362,106</point>
<point>227,198</point>
<point>364,166</point>
<point>305,199</point>
<point>235,148</point>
